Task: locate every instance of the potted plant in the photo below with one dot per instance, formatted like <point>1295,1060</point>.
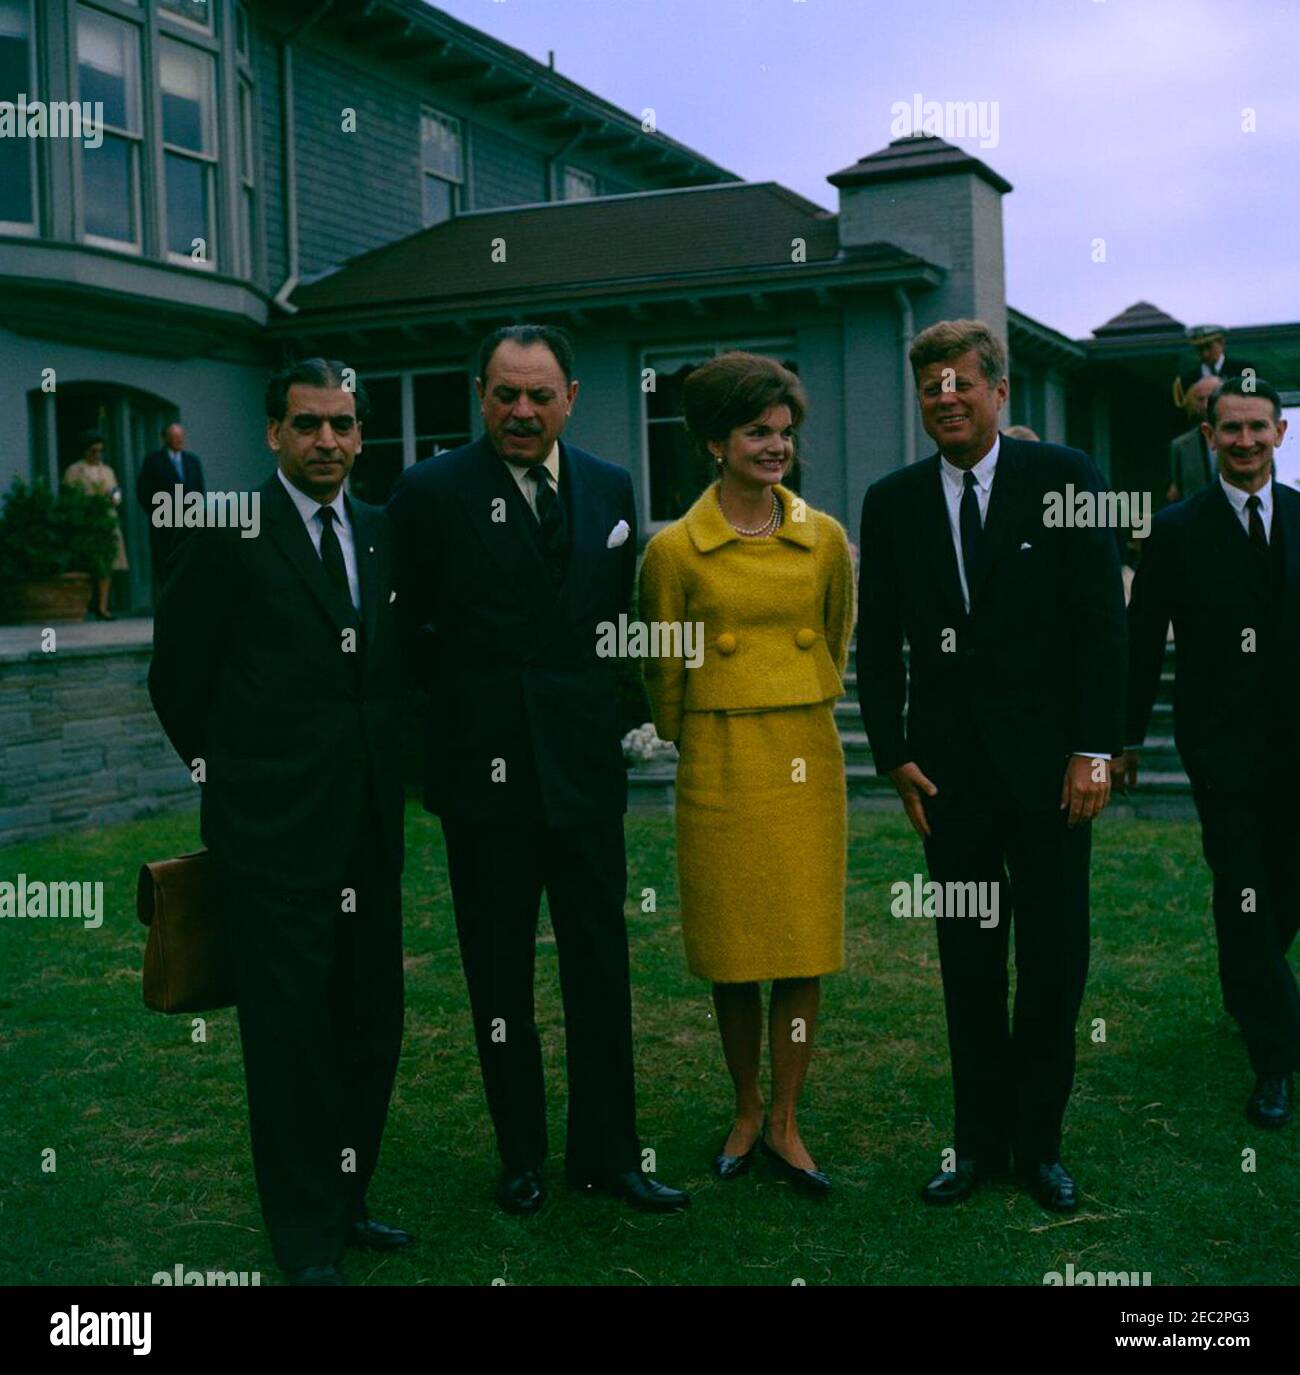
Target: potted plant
<point>50,549</point>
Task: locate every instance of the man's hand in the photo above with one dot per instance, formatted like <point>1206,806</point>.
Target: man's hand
<point>911,783</point>
<point>1124,772</point>
<point>1173,494</point>
<point>1082,793</point>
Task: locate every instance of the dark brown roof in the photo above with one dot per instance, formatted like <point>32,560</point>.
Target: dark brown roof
<point>917,155</point>
<point>1140,318</point>
<point>581,248</point>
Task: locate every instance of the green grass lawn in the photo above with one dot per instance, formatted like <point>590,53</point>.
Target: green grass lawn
<point>153,1165</point>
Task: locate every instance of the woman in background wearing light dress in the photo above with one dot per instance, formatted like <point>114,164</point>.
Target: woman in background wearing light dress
<point>91,474</point>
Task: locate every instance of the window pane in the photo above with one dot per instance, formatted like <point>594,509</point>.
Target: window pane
<point>106,183</point>
<point>108,68</point>
<point>377,468</point>
<point>241,31</point>
<point>15,57</point>
<point>438,204</point>
<point>196,11</point>
<point>187,205</point>
<point>15,80</point>
<point>385,418</point>
<point>676,471</point>
<point>249,229</point>
<point>666,399</point>
<point>441,403</point>
<point>15,181</point>
<point>578,185</point>
<point>245,131</point>
<point>186,78</point>
<point>441,144</point>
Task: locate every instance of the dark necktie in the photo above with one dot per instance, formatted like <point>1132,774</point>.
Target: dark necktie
<point>555,529</point>
<point>971,529</point>
<point>331,555</point>
<point>1258,539</point>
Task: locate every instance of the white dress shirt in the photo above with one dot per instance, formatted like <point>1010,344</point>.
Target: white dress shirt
<point>953,486</point>
<point>177,457</point>
<point>1237,499</point>
<point>520,471</point>
<point>309,509</point>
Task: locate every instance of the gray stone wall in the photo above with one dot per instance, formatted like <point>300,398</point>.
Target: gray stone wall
<point>80,745</point>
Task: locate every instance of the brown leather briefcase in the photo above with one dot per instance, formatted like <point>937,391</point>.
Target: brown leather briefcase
<point>185,966</point>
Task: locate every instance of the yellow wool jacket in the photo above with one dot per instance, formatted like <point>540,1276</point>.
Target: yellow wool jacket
<point>777,613</point>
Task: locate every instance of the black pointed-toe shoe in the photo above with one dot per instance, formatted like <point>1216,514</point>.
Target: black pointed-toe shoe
<point>733,1166</point>
<point>642,1191</point>
<point>811,1183</point>
<point>1050,1186</point>
<point>1269,1104</point>
<point>315,1276</point>
<point>523,1191</point>
<point>377,1236</point>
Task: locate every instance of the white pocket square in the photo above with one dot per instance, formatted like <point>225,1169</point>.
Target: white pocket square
<point>618,535</point>
<point>1025,546</point>
<point>392,597</point>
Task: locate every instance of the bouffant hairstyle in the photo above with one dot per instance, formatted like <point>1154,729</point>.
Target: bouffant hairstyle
<point>734,389</point>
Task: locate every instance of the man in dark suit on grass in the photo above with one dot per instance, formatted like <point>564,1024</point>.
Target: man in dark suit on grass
<point>1013,697</point>
<point>1224,567</point>
<point>511,551</point>
<point>276,665</point>
<point>162,471</point>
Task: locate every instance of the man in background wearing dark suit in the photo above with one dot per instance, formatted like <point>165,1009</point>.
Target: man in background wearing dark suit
<point>161,471</point>
<point>1224,567</point>
<point>1014,706</point>
<point>276,665</point>
<point>511,551</point>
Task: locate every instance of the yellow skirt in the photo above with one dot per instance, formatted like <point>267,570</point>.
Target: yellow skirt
<point>761,855</point>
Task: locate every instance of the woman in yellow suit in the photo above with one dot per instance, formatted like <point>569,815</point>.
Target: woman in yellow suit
<point>761,810</point>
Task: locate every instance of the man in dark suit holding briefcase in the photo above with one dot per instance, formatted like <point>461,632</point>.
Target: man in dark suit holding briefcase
<point>1014,702</point>
<point>512,550</point>
<point>275,675</point>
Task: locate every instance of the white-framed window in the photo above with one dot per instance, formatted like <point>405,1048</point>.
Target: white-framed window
<point>187,77</point>
<point>442,161</point>
<point>243,34</point>
<point>108,72</point>
<point>247,214</point>
<point>195,12</point>
<point>578,185</point>
<point>17,155</point>
<point>413,415</point>
<point>673,471</point>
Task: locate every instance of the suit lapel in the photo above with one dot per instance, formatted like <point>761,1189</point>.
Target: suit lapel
<point>1003,520</point>
<point>584,528</point>
<point>936,534</point>
<point>363,540</point>
<point>287,529</point>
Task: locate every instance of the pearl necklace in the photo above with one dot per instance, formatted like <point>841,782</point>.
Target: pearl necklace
<point>769,526</point>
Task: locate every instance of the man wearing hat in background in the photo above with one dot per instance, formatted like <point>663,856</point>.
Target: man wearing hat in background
<point>1211,345</point>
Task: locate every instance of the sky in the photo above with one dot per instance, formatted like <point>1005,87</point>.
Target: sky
<point>1126,121</point>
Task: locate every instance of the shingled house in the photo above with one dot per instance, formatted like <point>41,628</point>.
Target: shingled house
<point>375,180</point>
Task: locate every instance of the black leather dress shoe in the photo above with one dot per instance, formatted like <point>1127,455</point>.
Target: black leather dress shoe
<point>812,1183</point>
<point>642,1191</point>
<point>316,1275</point>
<point>733,1166</point>
<point>378,1236</point>
<point>952,1186</point>
<point>522,1192</point>
<point>1050,1186</point>
<point>1269,1104</point>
